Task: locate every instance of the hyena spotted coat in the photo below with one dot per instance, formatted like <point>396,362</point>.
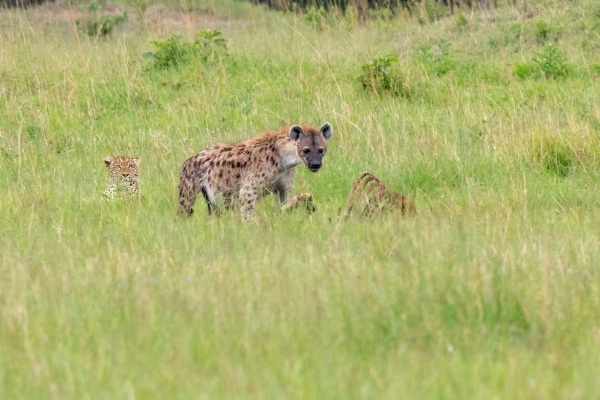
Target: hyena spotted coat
<point>240,173</point>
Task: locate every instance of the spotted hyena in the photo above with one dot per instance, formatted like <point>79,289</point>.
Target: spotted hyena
<point>240,173</point>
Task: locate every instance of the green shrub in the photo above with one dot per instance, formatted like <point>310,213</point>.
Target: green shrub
<point>100,26</point>
<point>547,63</point>
<point>555,156</point>
<point>551,63</point>
<point>381,14</point>
<point>460,20</point>
<point>493,43</point>
<point>175,51</point>
<point>210,43</point>
<point>34,132</point>
<point>436,59</point>
<point>525,71</point>
<point>378,79</point>
<point>350,17</point>
<point>315,16</point>
<point>542,30</point>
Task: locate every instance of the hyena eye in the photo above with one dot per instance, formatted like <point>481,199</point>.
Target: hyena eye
<point>306,151</point>
<point>321,151</point>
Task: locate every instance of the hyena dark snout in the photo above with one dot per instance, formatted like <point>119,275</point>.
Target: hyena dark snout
<point>311,144</point>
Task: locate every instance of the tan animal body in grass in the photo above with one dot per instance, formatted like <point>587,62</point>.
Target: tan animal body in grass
<point>123,175</point>
<point>370,198</point>
<point>238,174</point>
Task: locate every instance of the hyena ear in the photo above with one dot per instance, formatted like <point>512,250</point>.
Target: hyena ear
<point>296,133</point>
<point>326,131</point>
<point>137,161</point>
<point>107,161</point>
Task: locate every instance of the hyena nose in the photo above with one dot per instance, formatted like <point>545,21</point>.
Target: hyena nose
<point>314,166</point>
<point>125,175</point>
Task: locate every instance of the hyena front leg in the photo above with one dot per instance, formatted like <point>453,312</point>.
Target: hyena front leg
<point>284,187</point>
<point>248,197</point>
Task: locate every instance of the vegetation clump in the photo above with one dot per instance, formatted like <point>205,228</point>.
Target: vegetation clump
<point>100,26</point>
<point>436,59</point>
<point>461,20</point>
<point>378,77</point>
<point>316,17</point>
<point>548,64</point>
<point>175,51</point>
<point>556,156</point>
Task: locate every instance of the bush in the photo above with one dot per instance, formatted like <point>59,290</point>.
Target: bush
<point>555,156</point>
<point>315,16</point>
<point>547,63</point>
<point>350,17</point>
<point>436,59</point>
<point>378,79</point>
<point>542,30</point>
<point>461,20</point>
<point>100,26</point>
<point>525,71</point>
<point>103,26</point>
<point>550,63</point>
<point>175,52</point>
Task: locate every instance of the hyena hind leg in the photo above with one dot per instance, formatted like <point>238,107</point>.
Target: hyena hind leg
<point>187,197</point>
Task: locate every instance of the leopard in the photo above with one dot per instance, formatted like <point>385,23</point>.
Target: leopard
<point>123,176</point>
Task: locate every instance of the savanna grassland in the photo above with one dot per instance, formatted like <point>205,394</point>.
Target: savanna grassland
<point>489,120</point>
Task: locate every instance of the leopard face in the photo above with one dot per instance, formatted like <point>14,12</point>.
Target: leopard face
<point>123,174</point>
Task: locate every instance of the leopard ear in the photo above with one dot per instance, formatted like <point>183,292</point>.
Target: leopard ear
<point>137,161</point>
<point>107,161</point>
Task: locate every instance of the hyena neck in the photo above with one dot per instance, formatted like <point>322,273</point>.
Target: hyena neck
<point>289,155</point>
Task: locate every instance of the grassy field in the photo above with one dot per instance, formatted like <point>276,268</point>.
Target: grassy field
<point>492,291</point>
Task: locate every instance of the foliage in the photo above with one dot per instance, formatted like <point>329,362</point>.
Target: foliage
<point>381,14</point>
<point>542,29</point>
<point>551,63</point>
<point>350,17</point>
<point>556,156</point>
<point>315,16</point>
<point>100,25</point>
<point>430,11</point>
<point>377,77</point>
<point>547,63</point>
<point>460,20</point>
<point>436,59</point>
<point>175,51</point>
<point>525,70</point>
<point>211,43</point>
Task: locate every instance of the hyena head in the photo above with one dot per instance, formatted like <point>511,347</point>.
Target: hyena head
<point>311,144</point>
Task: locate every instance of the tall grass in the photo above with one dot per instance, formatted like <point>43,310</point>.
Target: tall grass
<point>491,291</point>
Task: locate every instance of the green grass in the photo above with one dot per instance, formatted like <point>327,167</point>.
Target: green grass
<point>492,291</point>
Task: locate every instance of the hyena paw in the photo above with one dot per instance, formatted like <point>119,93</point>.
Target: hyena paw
<point>303,201</point>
